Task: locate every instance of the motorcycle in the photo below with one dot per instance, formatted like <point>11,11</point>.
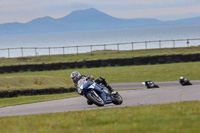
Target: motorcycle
<point>184,81</point>
<point>150,84</point>
<point>99,94</point>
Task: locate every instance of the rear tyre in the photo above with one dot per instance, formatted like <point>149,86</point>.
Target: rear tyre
<point>117,99</point>
<point>156,86</point>
<point>95,99</point>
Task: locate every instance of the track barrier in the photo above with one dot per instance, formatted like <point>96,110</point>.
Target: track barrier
<point>31,92</point>
<point>160,59</point>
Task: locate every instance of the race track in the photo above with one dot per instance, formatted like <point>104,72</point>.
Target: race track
<point>168,92</point>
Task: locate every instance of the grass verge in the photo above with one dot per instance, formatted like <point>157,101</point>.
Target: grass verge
<point>32,99</point>
<point>117,74</point>
<point>31,82</point>
<point>97,55</point>
<point>181,117</point>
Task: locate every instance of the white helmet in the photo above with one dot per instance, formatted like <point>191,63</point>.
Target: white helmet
<point>181,77</point>
<point>75,76</point>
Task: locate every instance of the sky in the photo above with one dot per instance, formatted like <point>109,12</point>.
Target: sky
<point>26,10</point>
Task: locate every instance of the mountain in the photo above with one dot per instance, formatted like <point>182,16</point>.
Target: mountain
<point>88,20</point>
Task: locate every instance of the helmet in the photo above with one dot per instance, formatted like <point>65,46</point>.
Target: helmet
<point>75,76</point>
<point>143,83</point>
<point>181,77</point>
<point>186,79</point>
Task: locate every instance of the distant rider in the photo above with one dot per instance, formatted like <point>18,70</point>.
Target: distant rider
<point>79,79</point>
<point>150,84</point>
<point>184,81</point>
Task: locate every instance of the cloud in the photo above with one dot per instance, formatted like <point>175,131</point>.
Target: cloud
<point>168,13</point>
<point>25,5</point>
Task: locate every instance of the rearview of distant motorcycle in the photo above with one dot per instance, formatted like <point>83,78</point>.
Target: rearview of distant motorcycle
<point>150,84</point>
<point>184,81</point>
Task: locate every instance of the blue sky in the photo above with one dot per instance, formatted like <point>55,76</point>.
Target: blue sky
<point>27,10</point>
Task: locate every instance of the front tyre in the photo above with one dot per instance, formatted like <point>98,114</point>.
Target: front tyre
<point>95,99</point>
<point>117,99</point>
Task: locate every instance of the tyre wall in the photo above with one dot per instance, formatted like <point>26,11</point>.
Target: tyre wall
<point>30,92</point>
<point>161,59</point>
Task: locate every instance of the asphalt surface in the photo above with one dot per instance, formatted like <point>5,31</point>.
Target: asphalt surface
<point>167,93</point>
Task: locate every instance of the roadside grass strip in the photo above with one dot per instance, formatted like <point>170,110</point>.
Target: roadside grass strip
<point>30,82</point>
<point>180,117</point>
<point>4,102</point>
<point>117,74</point>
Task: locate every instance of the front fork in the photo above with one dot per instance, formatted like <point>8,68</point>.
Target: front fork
<point>95,93</point>
<point>92,91</point>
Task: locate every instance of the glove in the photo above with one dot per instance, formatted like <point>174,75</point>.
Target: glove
<point>91,78</point>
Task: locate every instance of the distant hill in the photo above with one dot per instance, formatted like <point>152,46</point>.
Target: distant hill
<point>88,20</point>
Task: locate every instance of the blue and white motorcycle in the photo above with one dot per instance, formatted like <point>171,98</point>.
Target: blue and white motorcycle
<point>99,94</point>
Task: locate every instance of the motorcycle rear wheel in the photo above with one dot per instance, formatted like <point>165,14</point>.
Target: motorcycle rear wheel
<point>96,100</point>
<point>156,86</point>
<point>117,99</point>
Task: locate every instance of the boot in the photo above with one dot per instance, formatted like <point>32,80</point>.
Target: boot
<point>111,90</point>
<point>103,81</point>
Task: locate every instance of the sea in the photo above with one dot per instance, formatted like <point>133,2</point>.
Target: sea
<point>87,41</point>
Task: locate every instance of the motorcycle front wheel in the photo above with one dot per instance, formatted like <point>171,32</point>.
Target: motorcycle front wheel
<point>95,99</point>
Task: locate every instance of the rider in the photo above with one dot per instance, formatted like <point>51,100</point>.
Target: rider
<point>184,81</point>
<point>78,80</point>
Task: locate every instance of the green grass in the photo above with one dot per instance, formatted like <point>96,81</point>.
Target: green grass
<point>178,117</point>
<point>118,74</point>
<point>181,117</point>
<point>32,99</point>
<point>36,82</point>
<point>97,55</point>
<point>56,79</point>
